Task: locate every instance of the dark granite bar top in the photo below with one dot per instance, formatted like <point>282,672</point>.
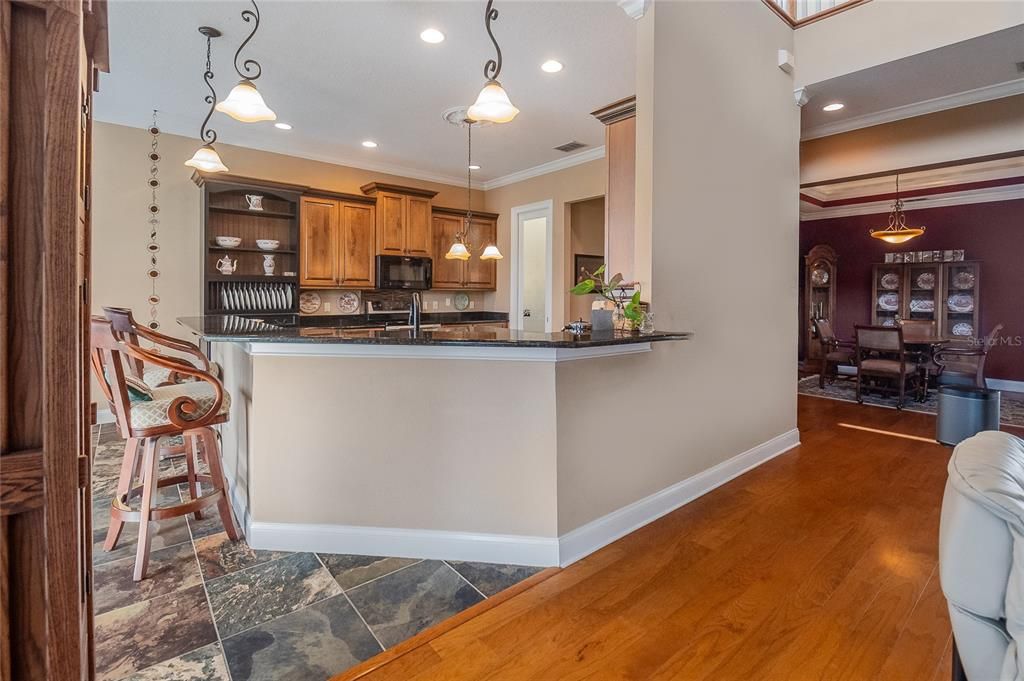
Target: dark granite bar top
<point>231,329</point>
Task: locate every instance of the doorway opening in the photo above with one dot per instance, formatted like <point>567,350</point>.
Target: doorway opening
<point>532,284</point>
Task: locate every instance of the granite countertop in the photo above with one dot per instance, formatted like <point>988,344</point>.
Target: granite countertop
<point>231,329</point>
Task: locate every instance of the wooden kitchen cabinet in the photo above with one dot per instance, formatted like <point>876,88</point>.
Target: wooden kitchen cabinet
<point>338,243</point>
<point>472,274</point>
<point>447,273</point>
<point>403,219</point>
<point>481,274</point>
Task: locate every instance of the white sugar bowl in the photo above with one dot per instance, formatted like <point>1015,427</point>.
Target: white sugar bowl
<point>228,241</point>
<point>268,244</point>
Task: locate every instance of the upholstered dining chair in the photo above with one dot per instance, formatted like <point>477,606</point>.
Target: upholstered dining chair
<point>146,414</point>
<point>880,353</point>
<point>962,364</point>
<point>923,329</point>
<point>834,352</point>
<point>126,328</point>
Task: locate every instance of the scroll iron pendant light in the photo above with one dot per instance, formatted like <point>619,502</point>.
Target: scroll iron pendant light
<point>897,231</point>
<point>492,104</point>
<point>245,103</point>
<point>459,249</point>
<point>206,157</point>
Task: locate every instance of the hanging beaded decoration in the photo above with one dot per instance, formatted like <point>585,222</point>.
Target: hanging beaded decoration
<point>154,223</point>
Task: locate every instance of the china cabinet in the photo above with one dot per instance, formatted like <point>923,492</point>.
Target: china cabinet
<point>819,293</point>
<point>945,293</point>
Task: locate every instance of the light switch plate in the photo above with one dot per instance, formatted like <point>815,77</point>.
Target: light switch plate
<point>327,307</point>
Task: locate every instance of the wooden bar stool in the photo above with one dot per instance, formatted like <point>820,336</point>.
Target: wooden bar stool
<point>145,415</point>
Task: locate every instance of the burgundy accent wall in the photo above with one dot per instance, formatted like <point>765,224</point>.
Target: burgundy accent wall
<point>992,233</point>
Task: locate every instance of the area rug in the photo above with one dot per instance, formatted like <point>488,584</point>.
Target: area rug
<point>1011,406</point>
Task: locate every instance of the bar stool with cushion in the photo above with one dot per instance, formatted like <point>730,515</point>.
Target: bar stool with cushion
<point>880,353</point>
<point>126,328</point>
<point>145,415</point>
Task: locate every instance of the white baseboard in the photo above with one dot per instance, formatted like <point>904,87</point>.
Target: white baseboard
<point>1003,384</point>
<point>503,548</point>
<point>386,541</point>
<point>104,416</point>
<point>596,534</point>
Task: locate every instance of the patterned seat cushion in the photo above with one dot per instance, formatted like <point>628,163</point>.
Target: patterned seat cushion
<point>154,413</point>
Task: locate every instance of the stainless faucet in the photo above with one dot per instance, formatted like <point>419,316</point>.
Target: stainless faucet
<point>414,313</point>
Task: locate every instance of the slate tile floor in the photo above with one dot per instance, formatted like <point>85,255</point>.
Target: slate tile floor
<point>216,610</point>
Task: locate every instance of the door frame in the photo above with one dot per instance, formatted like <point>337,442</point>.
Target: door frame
<point>520,214</point>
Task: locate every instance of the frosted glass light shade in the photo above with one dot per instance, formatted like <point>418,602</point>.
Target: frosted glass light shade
<point>492,104</point>
<point>458,251</point>
<point>897,236</point>
<point>491,253</point>
<point>245,103</point>
<point>207,159</point>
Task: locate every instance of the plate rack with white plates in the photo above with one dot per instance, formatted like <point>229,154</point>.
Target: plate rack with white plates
<point>245,296</point>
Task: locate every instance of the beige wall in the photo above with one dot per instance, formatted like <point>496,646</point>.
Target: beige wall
<point>978,130</point>
<point>883,30</point>
<point>586,226</point>
<point>723,268</point>
<point>584,181</point>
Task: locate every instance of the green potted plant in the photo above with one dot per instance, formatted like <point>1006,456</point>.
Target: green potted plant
<point>628,306</point>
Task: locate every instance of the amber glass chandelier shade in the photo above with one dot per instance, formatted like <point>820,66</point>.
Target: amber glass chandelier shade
<point>897,236</point>
<point>458,251</point>
<point>491,253</point>
<point>245,103</point>
<point>493,105</point>
<point>207,159</point>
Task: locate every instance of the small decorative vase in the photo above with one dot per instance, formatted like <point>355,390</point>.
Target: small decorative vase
<point>268,265</point>
<point>255,201</point>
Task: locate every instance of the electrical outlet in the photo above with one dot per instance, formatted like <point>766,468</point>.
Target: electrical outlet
<point>447,302</point>
<point>435,304</point>
<point>472,304</point>
<point>327,307</point>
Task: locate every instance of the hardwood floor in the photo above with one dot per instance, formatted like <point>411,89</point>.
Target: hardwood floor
<point>820,564</point>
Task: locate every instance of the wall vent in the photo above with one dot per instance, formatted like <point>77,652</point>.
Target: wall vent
<point>570,146</point>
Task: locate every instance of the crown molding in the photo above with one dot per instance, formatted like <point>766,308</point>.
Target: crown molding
<point>1007,193</point>
<point>545,168</point>
<point>898,113</point>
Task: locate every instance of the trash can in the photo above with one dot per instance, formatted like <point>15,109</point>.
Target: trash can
<point>965,411</point>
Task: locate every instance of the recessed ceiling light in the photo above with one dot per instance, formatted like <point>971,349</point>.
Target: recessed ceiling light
<point>474,167</point>
<point>551,66</point>
<point>834,106</point>
<point>432,35</point>
<point>369,144</point>
<point>282,126</point>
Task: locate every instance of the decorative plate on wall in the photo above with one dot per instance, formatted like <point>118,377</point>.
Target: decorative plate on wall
<point>309,302</point>
<point>890,281</point>
<point>961,302</point>
<point>461,301</point>
<point>963,280</point>
<point>348,302</point>
<point>889,302</point>
<point>926,281</point>
<point>963,329</point>
<point>819,277</point>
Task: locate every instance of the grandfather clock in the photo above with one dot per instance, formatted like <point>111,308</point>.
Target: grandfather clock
<point>819,294</point>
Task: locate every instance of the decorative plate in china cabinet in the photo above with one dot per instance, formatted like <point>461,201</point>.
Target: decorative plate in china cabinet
<point>819,277</point>
<point>309,302</point>
<point>348,302</point>
<point>889,322</point>
<point>963,329</point>
<point>461,301</point>
<point>890,281</point>
<point>926,281</point>
<point>889,302</point>
<point>963,280</point>
<point>922,305</point>
<point>961,302</point>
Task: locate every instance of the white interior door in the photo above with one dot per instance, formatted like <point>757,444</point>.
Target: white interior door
<point>531,286</point>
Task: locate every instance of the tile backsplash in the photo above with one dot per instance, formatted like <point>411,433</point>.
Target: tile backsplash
<point>443,300</point>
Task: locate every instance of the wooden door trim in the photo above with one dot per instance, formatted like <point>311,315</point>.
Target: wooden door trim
<point>21,482</point>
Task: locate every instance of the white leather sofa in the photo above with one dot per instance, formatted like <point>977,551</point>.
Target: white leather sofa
<point>981,555</point>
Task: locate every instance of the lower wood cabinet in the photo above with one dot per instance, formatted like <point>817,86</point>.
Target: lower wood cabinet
<point>472,274</point>
<point>338,242</point>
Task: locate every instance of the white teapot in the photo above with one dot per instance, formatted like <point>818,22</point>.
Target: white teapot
<point>227,266</point>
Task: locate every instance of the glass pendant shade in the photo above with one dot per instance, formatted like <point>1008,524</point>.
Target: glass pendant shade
<point>492,104</point>
<point>898,236</point>
<point>207,159</point>
<point>245,103</point>
<point>458,251</point>
<point>491,253</point>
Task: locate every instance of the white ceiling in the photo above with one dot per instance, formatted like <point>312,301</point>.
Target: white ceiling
<point>343,72</point>
<point>955,75</point>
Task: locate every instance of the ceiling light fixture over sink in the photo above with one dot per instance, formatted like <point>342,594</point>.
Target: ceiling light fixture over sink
<point>244,102</point>
<point>460,249</point>
<point>492,104</point>
<point>897,232</point>
<point>206,157</point>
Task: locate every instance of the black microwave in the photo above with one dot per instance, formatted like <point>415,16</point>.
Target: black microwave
<point>404,272</point>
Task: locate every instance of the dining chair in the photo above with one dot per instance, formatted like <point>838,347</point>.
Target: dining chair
<point>146,414</point>
<point>918,329</point>
<point>880,353</point>
<point>964,364</point>
<point>834,352</point>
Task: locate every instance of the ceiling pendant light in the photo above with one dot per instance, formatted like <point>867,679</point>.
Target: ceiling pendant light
<point>244,102</point>
<point>459,249</point>
<point>897,232</point>
<point>206,157</point>
<point>492,104</point>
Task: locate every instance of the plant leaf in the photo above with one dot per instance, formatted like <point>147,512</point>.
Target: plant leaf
<point>633,311</point>
<point>636,297</point>
<point>614,283</point>
<point>600,270</point>
<point>583,288</point>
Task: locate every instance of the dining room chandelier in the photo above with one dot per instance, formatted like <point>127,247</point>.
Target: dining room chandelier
<point>897,231</point>
<point>492,104</point>
<point>206,157</point>
<point>461,249</point>
<point>245,103</point>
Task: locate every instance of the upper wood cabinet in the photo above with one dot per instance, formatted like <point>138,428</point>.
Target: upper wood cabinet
<point>472,274</point>
<point>403,219</point>
<point>337,243</point>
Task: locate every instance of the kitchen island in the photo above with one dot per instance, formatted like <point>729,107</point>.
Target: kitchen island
<point>459,443</point>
